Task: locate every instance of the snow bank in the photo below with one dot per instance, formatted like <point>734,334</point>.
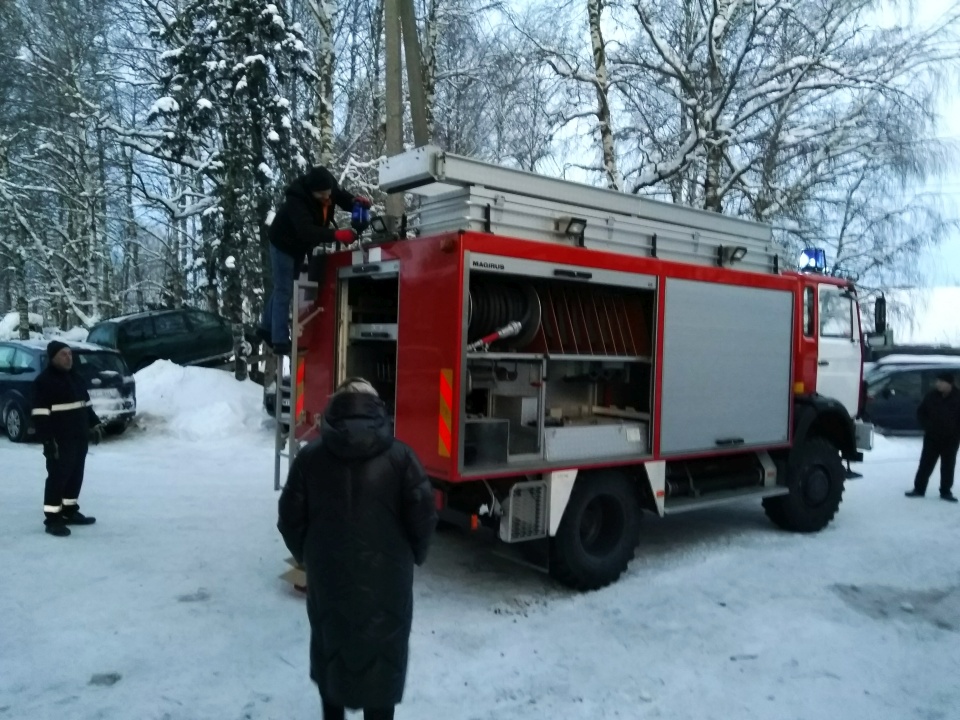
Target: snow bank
<point>197,403</point>
<point>77,334</point>
<point>10,329</point>
<point>10,325</point>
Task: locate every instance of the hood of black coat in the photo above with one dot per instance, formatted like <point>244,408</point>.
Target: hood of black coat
<point>355,426</point>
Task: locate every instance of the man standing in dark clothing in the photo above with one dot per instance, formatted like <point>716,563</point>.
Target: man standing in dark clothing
<point>65,422</point>
<point>301,224</point>
<point>939,415</point>
<point>359,512</point>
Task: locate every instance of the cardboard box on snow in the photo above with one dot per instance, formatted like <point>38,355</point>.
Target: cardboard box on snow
<point>296,575</point>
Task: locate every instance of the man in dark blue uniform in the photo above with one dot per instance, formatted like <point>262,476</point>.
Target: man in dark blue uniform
<point>939,416</point>
<point>65,423</point>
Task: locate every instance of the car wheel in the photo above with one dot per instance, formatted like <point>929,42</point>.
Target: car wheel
<point>16,423</point>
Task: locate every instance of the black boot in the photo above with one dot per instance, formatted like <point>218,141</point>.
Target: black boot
<point>56,526</point>
<point>914,493</point>
<point>72,516</point>
<point>948,496</point>
<point>264,336</point>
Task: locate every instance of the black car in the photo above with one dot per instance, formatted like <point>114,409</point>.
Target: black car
<point>895,388</point>
<point>109,382</point>
<point>186,336</point>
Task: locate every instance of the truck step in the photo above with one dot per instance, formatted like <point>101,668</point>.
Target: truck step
<point>685,504</point>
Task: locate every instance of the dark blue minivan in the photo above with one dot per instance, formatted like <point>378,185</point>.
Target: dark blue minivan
<point>895,387</point>
<point>109,381</point>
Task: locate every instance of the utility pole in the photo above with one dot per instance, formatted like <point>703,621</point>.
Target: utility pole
<point>401,38</point>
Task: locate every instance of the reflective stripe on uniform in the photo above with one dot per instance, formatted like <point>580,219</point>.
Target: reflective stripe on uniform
<point>67,503</point>
<point>40,411</point>
<point>52,508</point>
<point>68,406</point>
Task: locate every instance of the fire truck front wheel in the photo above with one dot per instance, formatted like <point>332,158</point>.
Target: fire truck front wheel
<point>599,531</point>
<point>815,478</point>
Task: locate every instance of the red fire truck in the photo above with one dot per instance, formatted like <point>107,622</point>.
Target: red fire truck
<point>562,358</point>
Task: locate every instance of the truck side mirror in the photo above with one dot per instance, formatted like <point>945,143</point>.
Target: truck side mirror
<point>880,315</point>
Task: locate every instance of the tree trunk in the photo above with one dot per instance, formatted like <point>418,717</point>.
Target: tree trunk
<point>131,243</point>
<point>711,185</point>
<point>394,97</point>
<point>24,311</point>
<point>105,291</point>
<point>376,83</point>
<point>432,37</point>
<point>325,13</point>
<point>607,145</point>
<point>715,140</point>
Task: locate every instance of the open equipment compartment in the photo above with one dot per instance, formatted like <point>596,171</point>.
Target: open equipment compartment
<point>575,383</point>
<point>367,326</point>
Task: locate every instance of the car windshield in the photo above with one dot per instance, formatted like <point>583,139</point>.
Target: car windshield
<point>104,334</point>
<point>877,372</point>
<point>95,364</point>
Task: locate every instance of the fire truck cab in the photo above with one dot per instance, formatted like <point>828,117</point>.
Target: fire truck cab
<point>562,358</point>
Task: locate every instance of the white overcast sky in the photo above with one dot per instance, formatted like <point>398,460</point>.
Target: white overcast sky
<point>943,264</point>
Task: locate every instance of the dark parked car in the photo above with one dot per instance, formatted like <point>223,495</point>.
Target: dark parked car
<point>185,336</point>
<point>109,382</point>
<point>895,387</point>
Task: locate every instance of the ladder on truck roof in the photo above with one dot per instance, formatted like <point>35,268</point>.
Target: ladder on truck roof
<point>461,194</point>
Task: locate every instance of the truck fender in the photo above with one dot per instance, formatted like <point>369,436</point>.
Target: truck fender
<point>561,484</point>
<point>816,415</point>
<point>656,473</point>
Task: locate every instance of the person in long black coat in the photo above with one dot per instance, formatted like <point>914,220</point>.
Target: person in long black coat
<point>303,222</point>
<point>939,416</point>
<point>358,511</point>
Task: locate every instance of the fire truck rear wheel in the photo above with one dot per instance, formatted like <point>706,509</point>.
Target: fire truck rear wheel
<point>815,478</point>
<point>599,531</point>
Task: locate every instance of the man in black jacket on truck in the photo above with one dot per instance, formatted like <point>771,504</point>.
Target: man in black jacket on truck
<point>301,224</point>
<point>65,423</point>
<point>939,416</point>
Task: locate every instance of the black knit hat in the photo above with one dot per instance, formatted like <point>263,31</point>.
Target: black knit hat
<point>946,375</point>
<point>318,179</point>
<point>54,347</point>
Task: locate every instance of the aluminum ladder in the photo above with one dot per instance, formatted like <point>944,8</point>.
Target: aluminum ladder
<point>463,194</point>
<point>286,444</point>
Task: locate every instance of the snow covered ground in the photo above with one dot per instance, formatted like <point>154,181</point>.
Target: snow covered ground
<point>170,607</point>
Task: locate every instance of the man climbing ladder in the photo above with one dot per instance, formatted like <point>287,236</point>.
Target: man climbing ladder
<point>302,224</point>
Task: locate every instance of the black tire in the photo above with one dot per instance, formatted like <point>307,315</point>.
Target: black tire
<point>815,478</point>
<point>599,531</point>
<point>16,423</point>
